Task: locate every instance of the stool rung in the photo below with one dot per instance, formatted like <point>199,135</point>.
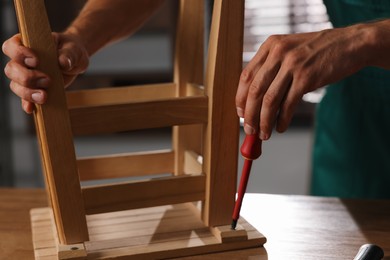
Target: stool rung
<point>145,193</point>
<point>117,95</point>
<point>139,115</point>
<point>126,165</point>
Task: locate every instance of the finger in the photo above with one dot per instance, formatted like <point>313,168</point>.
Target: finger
<point>63,59</point>
<point>272,101</point>
<point>257,89</point>
<point>246,79</point>
<point>14,49</point>
<point>72,62</point>
<point>38,96</point>
<point>72,58</point>
<point>65,62</point>
<point>26,77</point>
<point>70,68</point>
<point>288,107</point>
<point>28,107</point>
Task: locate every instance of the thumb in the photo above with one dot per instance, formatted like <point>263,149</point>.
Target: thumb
<point>66,63</point>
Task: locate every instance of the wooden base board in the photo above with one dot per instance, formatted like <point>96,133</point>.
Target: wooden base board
<point>150,233</point>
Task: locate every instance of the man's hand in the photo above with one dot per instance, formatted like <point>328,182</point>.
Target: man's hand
<point>99,23</point>
<point>27,81</point>
<point>288,66</point>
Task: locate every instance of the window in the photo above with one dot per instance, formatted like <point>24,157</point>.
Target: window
<point>266,17</point>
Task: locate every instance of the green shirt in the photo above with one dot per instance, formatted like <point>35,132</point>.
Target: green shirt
<point>351,156</point>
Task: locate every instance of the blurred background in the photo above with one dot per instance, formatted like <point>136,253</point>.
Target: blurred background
<point>146,57</point>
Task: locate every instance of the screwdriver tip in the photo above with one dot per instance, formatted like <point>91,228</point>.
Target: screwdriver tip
<point>234,224</point>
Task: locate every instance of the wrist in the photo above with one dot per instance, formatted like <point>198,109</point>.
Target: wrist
<point>78,36</point>
<point>362,44</point>
<point>375,47</point>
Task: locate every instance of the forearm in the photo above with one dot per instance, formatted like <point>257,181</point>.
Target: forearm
<point>101,22</point>
<point>378,43</point>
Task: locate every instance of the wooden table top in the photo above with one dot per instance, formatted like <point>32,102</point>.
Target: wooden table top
<point>297,227</point>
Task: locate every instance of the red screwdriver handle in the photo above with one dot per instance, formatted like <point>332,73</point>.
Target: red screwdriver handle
<point>250,150</point>
<point>251,147</point>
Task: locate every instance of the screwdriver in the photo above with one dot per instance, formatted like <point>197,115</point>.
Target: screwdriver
<point>250,150</point>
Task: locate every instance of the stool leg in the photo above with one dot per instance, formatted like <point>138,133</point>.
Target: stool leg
<point>188,68</point>
<point>223,70</point>
<point>53,127</point>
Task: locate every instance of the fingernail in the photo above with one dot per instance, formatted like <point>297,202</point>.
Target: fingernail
<point>24,106</point>
<point>240,112</point>
<point>42,83</point>
<point>263,136</point>
<point>30,62</point>
<point>37,97</point>
<point>69,64</point>
<point>249,130</point>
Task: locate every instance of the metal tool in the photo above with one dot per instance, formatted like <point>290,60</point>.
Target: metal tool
<point>369,252</point>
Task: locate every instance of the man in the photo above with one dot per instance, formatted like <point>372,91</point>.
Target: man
<point>351,155</point>
<point>352,150</point>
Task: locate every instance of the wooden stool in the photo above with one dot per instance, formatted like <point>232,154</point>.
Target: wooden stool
<point>156,218</point>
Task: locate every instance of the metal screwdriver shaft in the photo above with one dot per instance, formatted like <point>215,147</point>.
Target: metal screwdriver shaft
<point>250,150</point>
<point>241,191</point>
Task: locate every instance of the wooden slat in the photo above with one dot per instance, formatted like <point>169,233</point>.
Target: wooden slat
<point>129,224</point>
<point>139,115</point>
<point>148,193</point>
<point>126,215</point>
<point>188,68</point>
<point>125,165</point>
<point>224,66</point>
<point>136,230</point>
<point>174,234</point>
<point>225,234</point>
<point>53,126</point>
<point>118,95</point>
<point>72,252</point>
<point>189,51</point>
<point>45,237</point>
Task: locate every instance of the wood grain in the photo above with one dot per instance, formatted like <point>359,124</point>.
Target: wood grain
<point>188,69</point>
<point>72,252</point>
<point>296,227</point>
<point>147,193</point>
<point>119,95</point>
<point>125,165</point>
<point>155,233</point>
<point>15,227</point>
<point>225,234</point>
<point>192,164</point>
<point>224,66</point>
<point>53,126</point>
<point>138,115</point>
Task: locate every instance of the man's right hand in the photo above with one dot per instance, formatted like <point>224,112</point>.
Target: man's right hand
<point>27,81</point>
